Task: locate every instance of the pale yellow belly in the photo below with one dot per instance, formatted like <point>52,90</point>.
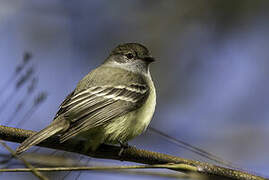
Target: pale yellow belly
<point>124,128</point>
<point>132,124</point>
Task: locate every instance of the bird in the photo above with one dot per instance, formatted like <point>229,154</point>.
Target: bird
<point>112,104</point>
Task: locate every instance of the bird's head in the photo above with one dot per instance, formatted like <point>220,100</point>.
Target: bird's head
<point>131,56</point>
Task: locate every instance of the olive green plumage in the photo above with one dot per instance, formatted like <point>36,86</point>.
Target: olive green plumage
<point>112,104</point>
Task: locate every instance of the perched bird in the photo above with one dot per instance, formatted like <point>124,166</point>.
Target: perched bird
<point>112,104</point>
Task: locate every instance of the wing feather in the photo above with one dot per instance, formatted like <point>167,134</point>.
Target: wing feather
<point>96,106</point>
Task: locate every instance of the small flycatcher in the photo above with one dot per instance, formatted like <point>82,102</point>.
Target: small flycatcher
<point>112,104</point>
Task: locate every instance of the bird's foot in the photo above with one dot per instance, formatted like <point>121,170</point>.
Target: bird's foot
<point>123,146</point>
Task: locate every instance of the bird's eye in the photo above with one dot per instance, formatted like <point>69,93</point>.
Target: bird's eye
<point>130,56</point>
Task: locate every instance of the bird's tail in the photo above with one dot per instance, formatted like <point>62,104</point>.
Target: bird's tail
<point>56,126</point>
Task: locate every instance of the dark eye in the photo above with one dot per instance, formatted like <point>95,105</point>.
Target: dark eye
<point>130,56</point>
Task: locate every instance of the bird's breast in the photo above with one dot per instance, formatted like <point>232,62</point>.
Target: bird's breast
<point>145,113</point>
<point>133,123</point>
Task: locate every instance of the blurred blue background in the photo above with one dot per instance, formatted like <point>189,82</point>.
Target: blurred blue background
<point>211,72</point>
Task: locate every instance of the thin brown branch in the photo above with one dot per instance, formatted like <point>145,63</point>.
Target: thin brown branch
<point>116,169</point>
<point>27,164</point>
<point>182,167</point>
<point>131,154</point>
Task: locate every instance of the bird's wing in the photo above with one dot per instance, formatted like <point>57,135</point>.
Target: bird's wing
<point>97,105</point>
<point>61,109</point>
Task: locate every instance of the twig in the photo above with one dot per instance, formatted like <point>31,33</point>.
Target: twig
<point>130,154</point>
<point>182,167</point>
<point>115,170</point>
<point>39,99</point>
<point>26,58</point>
<point>193,149</point>
<point>30,167</point>
<point>23,79</point>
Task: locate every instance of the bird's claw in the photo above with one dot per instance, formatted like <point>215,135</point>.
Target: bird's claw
<point>123,146</point>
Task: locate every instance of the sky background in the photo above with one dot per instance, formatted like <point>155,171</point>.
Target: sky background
<point>211,70</point>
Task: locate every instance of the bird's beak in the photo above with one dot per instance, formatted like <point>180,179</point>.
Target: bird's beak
<point>148,59</point>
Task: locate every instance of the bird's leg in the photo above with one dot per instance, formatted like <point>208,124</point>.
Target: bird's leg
<point>123,146</point>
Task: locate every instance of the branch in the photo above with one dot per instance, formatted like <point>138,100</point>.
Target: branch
<point>30,167</point>
<point>113,169</point>
<point>100,168</point>
<point>131,154</point>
